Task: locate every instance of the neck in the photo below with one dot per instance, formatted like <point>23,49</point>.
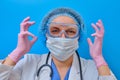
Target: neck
<point>67,63</point>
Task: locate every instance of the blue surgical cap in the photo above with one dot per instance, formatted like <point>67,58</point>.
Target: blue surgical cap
<point>61,12</point>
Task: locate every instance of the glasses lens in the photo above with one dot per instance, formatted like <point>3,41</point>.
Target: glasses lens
<point>71,32</point>
<point>56,29</point>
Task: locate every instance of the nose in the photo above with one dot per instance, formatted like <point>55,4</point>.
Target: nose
<point>62,35</point>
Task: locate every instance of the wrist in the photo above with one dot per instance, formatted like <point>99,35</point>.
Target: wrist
<point>8,61</point>
<point>100,61</point>
<point>20,50</point>
<point>16,54</point>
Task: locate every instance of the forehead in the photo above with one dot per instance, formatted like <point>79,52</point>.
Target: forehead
<point>64,19</point>
<point>65,26</point>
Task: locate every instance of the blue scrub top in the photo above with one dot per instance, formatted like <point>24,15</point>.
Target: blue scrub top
<point>56,74</point>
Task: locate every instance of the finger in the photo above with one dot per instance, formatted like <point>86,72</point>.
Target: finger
<point>95,27</point>
<point>34,40</point>
<point>26,19</point>
<point>32,35</point>
<point>100,21</point>
<point>29,34</point>
<point>97,35</point>
<point>26,25</point>
<point>89,41</point>
<point>100,26</point>
<point>26,34</point>
<point>94,34</point>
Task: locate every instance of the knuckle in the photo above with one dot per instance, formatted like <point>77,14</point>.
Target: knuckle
<point>22,24</point>
<point>26,32</point>
<point>21,34</point>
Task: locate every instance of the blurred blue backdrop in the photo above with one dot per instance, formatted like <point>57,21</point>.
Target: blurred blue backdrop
<point>12,12</point>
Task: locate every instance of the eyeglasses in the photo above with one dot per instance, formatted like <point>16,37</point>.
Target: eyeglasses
<point>56,29</point>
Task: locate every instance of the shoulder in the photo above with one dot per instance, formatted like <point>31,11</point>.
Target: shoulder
<point>34,57</point>
<point>30,60</point>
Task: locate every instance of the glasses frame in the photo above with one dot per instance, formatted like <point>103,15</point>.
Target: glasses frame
<point>66,36</point>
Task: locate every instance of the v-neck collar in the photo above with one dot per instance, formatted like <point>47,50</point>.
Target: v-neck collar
<point>56,75</point>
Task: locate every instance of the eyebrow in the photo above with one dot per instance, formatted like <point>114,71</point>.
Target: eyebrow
<point>54,28</point>
<point>71,28</point>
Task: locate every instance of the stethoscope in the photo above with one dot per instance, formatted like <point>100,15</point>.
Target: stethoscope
<point>51,73</point>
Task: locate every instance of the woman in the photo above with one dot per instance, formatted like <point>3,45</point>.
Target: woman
<point>62,28</point>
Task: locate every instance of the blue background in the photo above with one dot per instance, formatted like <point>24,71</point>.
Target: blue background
<point>12,12</point>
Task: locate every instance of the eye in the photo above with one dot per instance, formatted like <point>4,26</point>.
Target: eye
<point>54,30</point>
<point>71,31</point>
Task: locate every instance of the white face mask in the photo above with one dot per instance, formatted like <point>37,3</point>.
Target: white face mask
<point>62,48</point>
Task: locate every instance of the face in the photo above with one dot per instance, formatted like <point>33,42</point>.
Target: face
<point>63,26</point>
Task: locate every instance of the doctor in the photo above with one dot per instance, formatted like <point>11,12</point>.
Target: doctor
<point>62,28</point>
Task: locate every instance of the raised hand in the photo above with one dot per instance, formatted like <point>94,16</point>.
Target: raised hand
<point>24,44</point>
<point>96,46</point>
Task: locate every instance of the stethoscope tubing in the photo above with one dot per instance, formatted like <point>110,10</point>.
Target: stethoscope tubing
<point>51,73</point>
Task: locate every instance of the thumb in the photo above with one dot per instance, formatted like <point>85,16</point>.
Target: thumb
<point>89,42</point>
